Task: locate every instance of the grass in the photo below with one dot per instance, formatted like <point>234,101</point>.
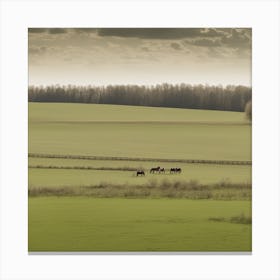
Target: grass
<point>110,130</point>
<point>239,219</point>
<point>99,209</point>
<point>152,189</point>
<point>85,112</point>
<point>88,224</point>
<point>200,172</point>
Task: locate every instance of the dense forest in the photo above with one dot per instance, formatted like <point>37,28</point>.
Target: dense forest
<point>229,98</point>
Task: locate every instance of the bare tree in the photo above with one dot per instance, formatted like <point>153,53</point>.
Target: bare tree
<point>248,110</point>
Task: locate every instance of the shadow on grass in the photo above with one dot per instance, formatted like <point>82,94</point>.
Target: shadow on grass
<point>152,189</point>
<point>240,219</point>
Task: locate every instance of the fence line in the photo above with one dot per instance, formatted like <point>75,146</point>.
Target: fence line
<point>222,162</point>
<point>83,167</point>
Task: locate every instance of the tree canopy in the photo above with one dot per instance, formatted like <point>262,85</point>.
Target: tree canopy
<point>230,98</point>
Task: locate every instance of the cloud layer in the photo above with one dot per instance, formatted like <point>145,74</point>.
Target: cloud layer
<point>234,37</point>
<point>140,55</point>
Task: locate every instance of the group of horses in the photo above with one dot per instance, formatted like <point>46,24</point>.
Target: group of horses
<point>159,170</point>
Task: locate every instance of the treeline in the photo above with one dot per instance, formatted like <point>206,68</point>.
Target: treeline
<point>230,98</point>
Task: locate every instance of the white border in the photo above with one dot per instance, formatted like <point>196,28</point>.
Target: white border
<point>17,16</point>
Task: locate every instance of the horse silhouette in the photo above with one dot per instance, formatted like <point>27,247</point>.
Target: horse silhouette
<point>155,169</point>
<point>140,172</point>
<point>175,170</point>
<point>178,170</point>
<point>162,170</point>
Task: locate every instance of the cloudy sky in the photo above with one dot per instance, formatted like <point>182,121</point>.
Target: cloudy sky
<point>90,56</point>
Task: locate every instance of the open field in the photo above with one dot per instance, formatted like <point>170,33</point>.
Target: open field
<point>110,130</point>
<point>66,213</point>
<point>87,224</point>
<point>75,112</point>
<point>202,173</point>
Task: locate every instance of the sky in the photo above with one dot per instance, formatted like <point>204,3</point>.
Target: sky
<point>142,56</point>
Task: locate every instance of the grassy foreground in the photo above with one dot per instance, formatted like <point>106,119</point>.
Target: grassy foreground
<point>88,224</point>
<point>66,212</point>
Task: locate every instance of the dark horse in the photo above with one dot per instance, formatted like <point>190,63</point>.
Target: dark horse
<point>155,169</point>
<point>175,170</point>
<point>162,170</point>
<point>140,172</point>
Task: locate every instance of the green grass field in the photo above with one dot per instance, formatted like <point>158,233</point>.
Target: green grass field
<point>39,112</point>
<point>110,130</point>
<point>203,173</point>
<point>85,223</point>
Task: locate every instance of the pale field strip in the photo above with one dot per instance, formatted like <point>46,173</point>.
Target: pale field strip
<point>165,122</point>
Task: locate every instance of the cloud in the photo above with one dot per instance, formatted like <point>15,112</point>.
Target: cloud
<point>240,38</point>
<point>212,32</point>
<point>48,30</point>
<point>62,30</point>
<point>85,30</point>
<point>37,30</point>
<point>213,52</point>
<point>205,42</point>
<point>37,50</point>
<point>231,38</point>
<point>145,49</point>
<point>57,30</point>
<point>176,46</point>
<point>157,33</point>
<point>203,37</point>
<point>148,33</point>
<point>229,43</point>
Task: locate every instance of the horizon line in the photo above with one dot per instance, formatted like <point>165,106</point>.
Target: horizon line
<point>133,84</point>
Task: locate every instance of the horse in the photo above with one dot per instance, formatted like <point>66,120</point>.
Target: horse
<point>140,172</point>
<point>175,170</point>
<point>155,169</point>
<point>178,170</point>
<point>162,170</point>
<point>172,170</point>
